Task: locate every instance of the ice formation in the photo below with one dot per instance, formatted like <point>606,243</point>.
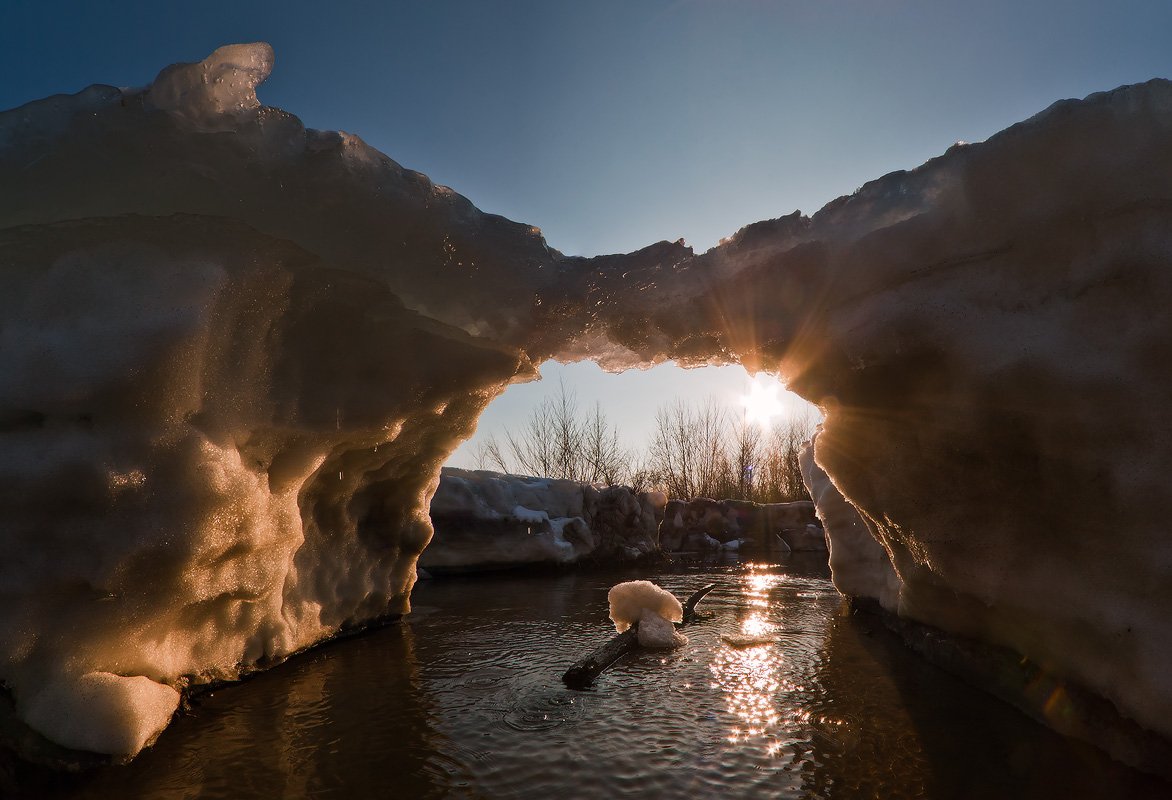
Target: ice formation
<point>214,453</point>
<point>486,520</point>
<point>235,352</point>
<point>653,609</point>
<point>101,712</point>
<point>859,565</point>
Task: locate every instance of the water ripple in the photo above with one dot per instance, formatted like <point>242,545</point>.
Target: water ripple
<point>776,695</point>
<point>545,711</point>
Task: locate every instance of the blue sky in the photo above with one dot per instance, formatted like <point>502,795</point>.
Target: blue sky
<point>611,125</point>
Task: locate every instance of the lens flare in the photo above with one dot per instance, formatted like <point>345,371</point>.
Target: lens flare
<point>762,403</point>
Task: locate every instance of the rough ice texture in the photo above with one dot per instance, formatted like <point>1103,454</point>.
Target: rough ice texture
<point>859,566</point>
<point>629,600</point>
<point>991,368</point>
<point>212,452</point>
<point>487,520</point>
<point>235,352</point>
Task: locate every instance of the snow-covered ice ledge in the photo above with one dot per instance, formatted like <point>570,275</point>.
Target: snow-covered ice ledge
<point>221,424</point>
<point>234,353</point>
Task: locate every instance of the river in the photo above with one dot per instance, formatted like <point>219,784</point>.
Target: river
<point>781,692</point>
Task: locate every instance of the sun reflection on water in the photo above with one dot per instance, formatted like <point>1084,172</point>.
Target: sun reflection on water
<point>757,587</point>
<point>749,670</point>
<point>750,680</point>
<point>760,679</point>
<point>756,625</point>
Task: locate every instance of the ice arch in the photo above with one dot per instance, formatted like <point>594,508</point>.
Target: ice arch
<point>235,352</point>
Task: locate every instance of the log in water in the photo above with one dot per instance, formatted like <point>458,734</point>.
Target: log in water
<point>583,673</point>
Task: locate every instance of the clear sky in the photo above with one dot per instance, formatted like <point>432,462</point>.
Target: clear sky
<point>614,124</point>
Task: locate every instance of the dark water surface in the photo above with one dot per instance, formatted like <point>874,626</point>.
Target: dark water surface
<point>464,699</point>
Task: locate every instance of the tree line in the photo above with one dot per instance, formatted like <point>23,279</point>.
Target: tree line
<point>695,450</point>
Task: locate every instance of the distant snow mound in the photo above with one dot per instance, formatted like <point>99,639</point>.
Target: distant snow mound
<point>489,520</point>
<point>529,516</point>
<point>628,600</point>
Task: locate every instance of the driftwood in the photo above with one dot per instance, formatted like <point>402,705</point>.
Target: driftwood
<point>582,673</point>
<point>693,601</point>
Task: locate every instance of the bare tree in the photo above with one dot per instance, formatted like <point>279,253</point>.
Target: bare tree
<point>557,441</point>
<point>604,457</point>
<point>694,451</point>
<point>745,455</point>
<point>714,473</point>
<point>689,450</point>
<point>641,476</point>
<point>672,452</point>
<point>781,478</point>
<point>490,456</point>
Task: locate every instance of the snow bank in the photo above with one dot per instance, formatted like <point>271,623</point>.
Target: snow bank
<point>486,520</point>
<point>704,524</point>
<point>990,369</point>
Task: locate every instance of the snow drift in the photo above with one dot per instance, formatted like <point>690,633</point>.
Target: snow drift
<point>234,353</point>
<point>488,519</point>
<point>702,523</point>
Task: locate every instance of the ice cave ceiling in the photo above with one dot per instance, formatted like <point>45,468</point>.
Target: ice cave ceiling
<point>236,351</point>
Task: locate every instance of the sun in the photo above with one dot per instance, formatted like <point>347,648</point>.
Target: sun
<point>762,403</point>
